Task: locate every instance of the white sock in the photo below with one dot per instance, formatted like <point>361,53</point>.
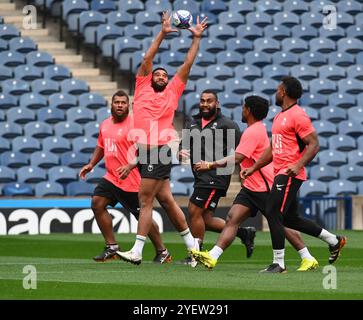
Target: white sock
<point>328,237</point>
<point>305,254</point>
<point>216,252</point>
<point>138,245</point>
<point>279,256</point>
<point>190,242</point>
<point>113,246</point>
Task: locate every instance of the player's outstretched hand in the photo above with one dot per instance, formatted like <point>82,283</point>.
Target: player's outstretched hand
<point>87,168</point>
<point>198,29</point>
<point>166,23</point>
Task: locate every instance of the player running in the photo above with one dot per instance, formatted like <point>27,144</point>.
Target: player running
<point>155,102</point>
<point>255,189</point>
<point>114,146</point>
<point>294,144</point>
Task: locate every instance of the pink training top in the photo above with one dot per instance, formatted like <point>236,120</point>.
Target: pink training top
<point>205,122</point>
<point>286,126</point>
<point>252,145</point>
<point>118,152</point>
<point>154,111</point>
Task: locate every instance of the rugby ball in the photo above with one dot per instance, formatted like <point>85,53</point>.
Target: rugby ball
<point>182,19</point>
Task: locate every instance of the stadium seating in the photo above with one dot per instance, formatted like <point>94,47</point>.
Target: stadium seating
<point>17,189</point>
<point>48,189</point>
<point>79,188</point>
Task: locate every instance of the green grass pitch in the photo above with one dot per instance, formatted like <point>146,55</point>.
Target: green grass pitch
<point>65,270</point>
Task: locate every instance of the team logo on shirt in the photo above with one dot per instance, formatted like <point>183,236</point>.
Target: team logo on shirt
<point>214,126</point>
<point>283,123</point>
<point>150,168</point>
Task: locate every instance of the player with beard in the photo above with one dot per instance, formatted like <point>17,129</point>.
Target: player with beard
<point>201,142</point>
<point>121,183</point>
<point>294,144</point>
<point>155,102</point>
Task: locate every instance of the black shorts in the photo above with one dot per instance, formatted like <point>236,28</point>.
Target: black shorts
<point>207,198</point>
<point>129,200</point>
<point>155,163</point>
<point>255,201</point>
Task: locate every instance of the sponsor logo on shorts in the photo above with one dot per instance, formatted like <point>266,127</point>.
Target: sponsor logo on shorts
<point>200,199</point>
<point>150,168</point>
<point>213,204</point>
<point>279,186</point>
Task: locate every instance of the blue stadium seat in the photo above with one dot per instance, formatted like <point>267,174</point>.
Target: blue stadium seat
<point>191,87</point>
<point>146,43</point>
<point>50,115</point>
<point>92,101</point>
<point>17,189</point>
<point>220,72</point>
<point>74,86</point>
<point>45,86</point>
<point>259,19</point>
<point>268,6</point>
<point>344,20</point>
<point>295,6</point>
<point>158,6</point>
<point>44,159</point>
<point>287,19</point>
<point>355,157</point>
<point>196,73</point>
<point>84,144</point>
<point>178,188</point>
<point>26,144</point>
<point>322,45</point>
<point>304,32</point>
<point>11,59</point>
<point>203,84</point>
<point>315,59</point>
<point>332,34</point>
<point>7,175</point>
<point>10,131</point>
<point>304,72</point>
<point>247,72</point>
<point>48,189</point>
<point>314,100</point>
<point>139,32</point>
<point>313,188</point>
<point>62,174</point>
<point>333,114</point>
<point>8,32</point>
<point>350,45</point>
<point>351,128</point>
<point>286,59</point>
<point>74,160</point>
<point>332,158</point>
<point>237,114</point>
<point>355,32</point>
<point>229,100</point>
<point>62,101</point>
<point>352,86</point>
<point>356,72</point>
<point>5,73</point>
<point>342,187</point>
<point>71,11</point>
<point>312,113</point>
<point>323,143</point>
<point>33,101</point>
<point>131,6</point>
<point>216,6</point>
<point>229,58</point>
<point>3,45</point>
<point>4,145</point>
<point>323,173</point>
<point>277,32</point>
<point>222,32</point>
<point>237,86</point>
<point>342,143</point>
<point>332,72</point>
<point>273,111</point>
<point>266,45</point>
<point>39,59</point>
<point>355,113</point>
<point>360,188</point>
<point>38,130</point>
<point>22,45</point>
<point>213,45</point>
<point>342,100</point>
<point>92,129</point>
<point>102,114</point>
<point>294,45</point>
<point>57,72</point>
<point>192,6</point>
<point>250,32</point>
<point>342,59</point>
<point>14,159</point>
<point>314,19</point>
<point>191,102</point>
<point>359,58</point>
<point>80,115</point>
<point>95,176</point>
<point>180,44</point>
<point>90,20</point>
<point>124,45</point>
<point>27,73</point>
<point>352,7</point>
<point>80,188</point>
<point>20,115</point>
<point>322,86</point>
<point>31,174</point>
<point>242,7</point>
<point>103,6</point>
<point>231,18</point>
<point>106,35</point>
<point>268,87</point>
<point>325,128</point>
<point>68,130</point>
<point>56,144</point>
<point>259,59</point>
<point>15,87</point>
<point>147,18</point>
<point>174,59</point>
<point>351,173</point>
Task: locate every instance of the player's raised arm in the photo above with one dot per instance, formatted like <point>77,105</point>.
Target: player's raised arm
<point>147,64</point>
<point>197,32</point>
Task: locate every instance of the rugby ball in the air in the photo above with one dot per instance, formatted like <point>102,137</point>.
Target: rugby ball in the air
<point>182,19</point>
